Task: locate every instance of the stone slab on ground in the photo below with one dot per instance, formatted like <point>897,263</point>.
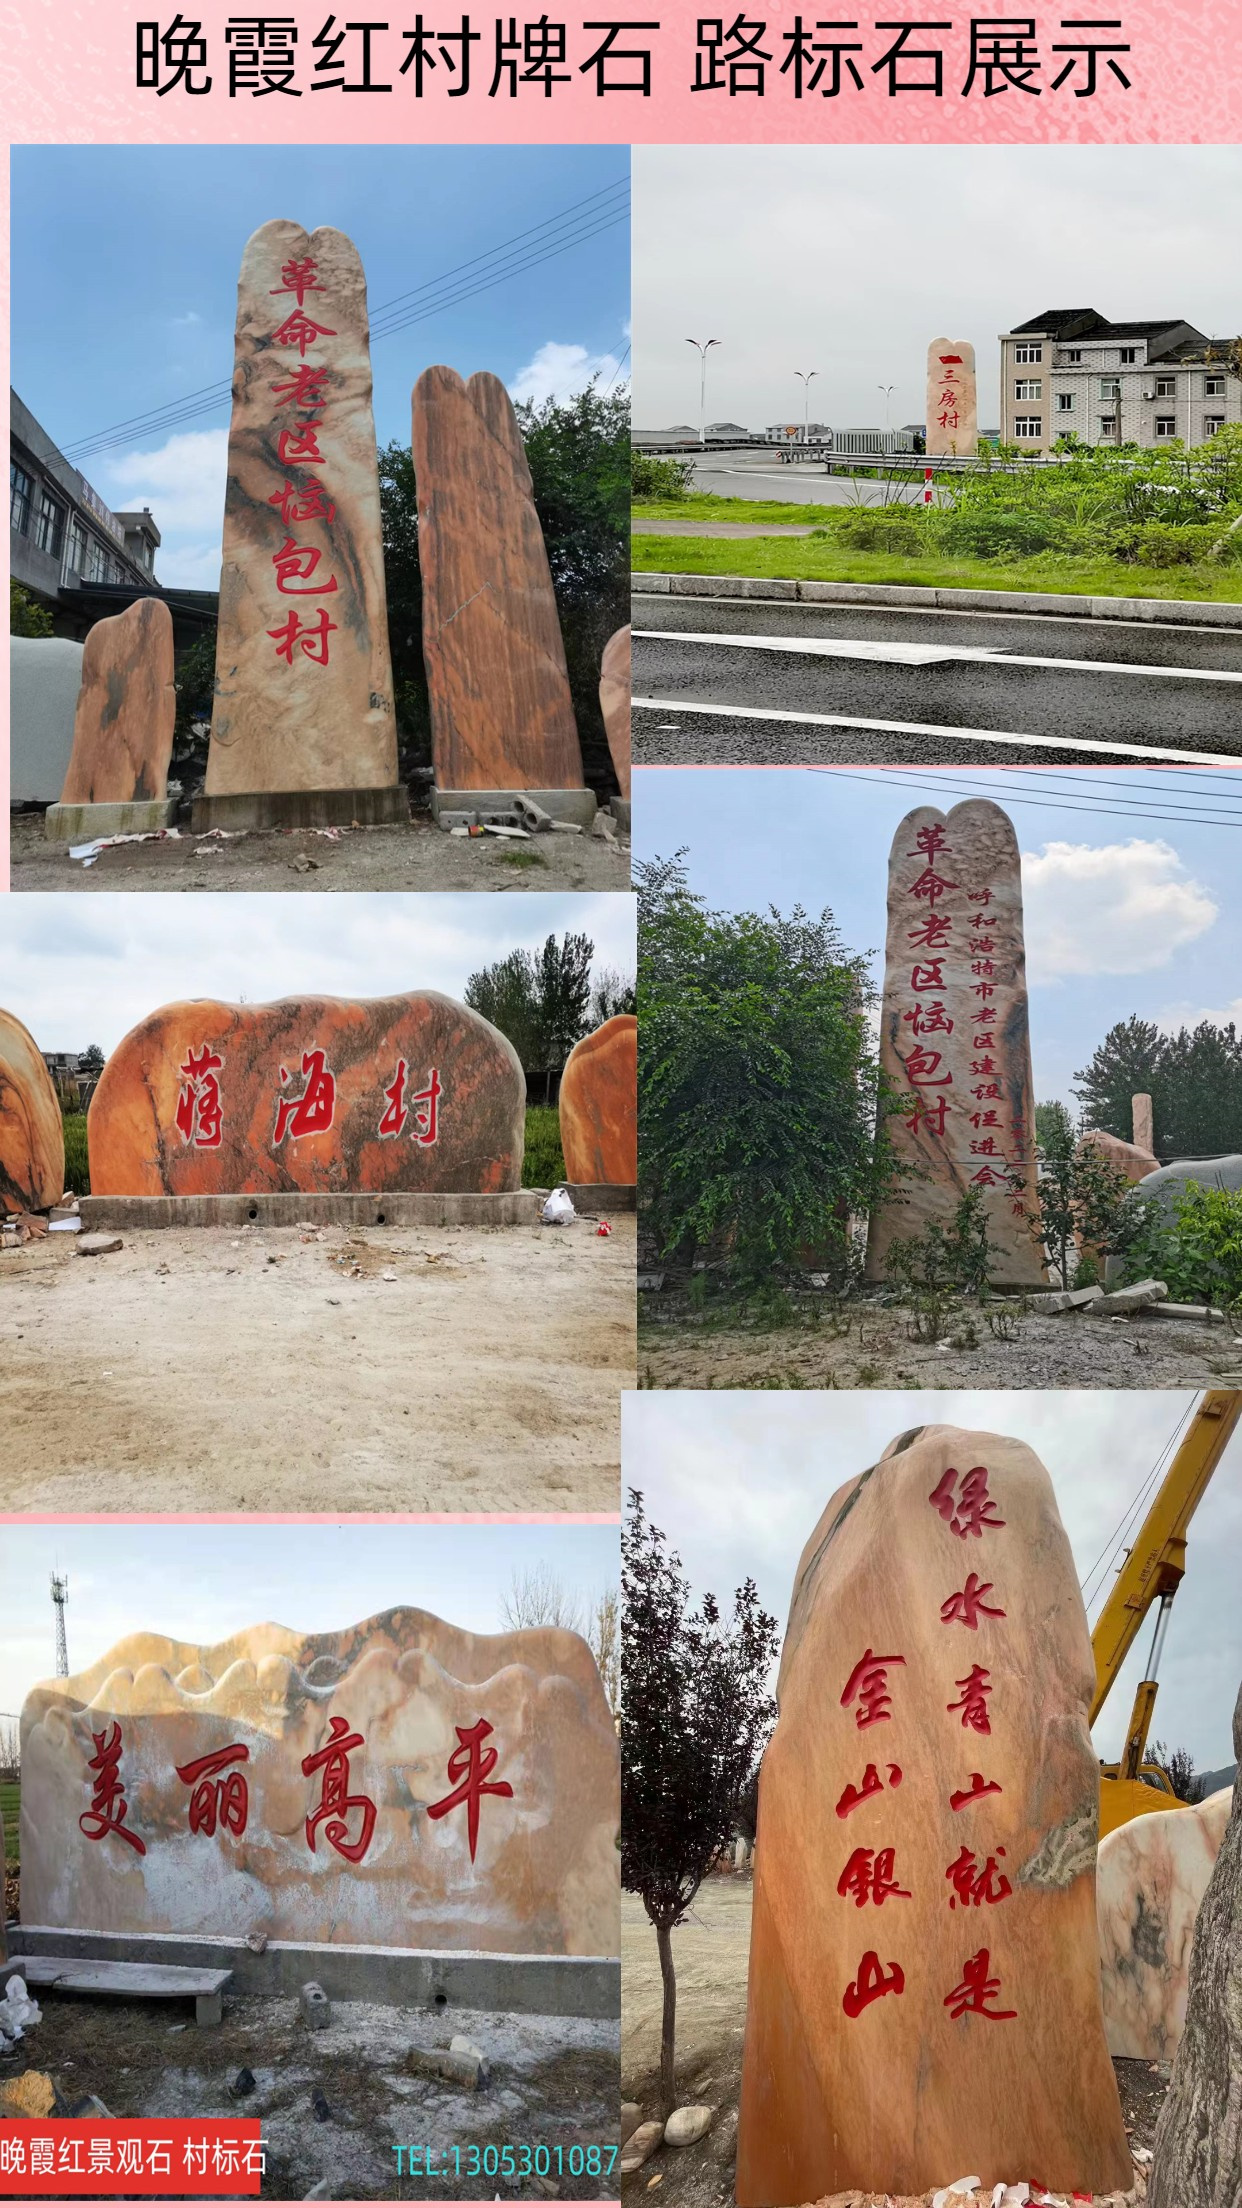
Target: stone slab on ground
<point>1066,1299</point>
<point>126,1981</point>
<point>71,824</point>
<point>1122,1303</point>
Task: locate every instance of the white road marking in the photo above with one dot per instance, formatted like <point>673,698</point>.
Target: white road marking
<point>927,655</point>
<point>935,728</point>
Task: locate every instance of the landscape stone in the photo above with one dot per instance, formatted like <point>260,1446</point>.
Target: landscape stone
<point>952,408</point>
<point>398,1783</point>
<point>1066,1299</point>
<point>640,2147</point>
<point>1143,1125</point>
<point>45,676</point>
<point>315,1093</point>
<point>1168,1181</point>
<point>954,1036</point>
<point>123,728</point>
<point>304,697</point>
<point>32,1132</point>
<point>447,2064</point>
<point>614,699</point>
<point>924,1989</point>
<point>686,2126</point>
<point>631,2117</point>
<point>1136,1164</point>
<point>599,1105</point>
<point>315,2007</point>
<point>98,1245</point>
<point>1151,1876</point>
<point>1119,1303</point>
<point>501,713</point>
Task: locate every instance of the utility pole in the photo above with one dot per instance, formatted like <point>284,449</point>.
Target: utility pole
<point>806,376</point>
<point>888,390</point>
<point>702,348</point>
<point>60,1596</point>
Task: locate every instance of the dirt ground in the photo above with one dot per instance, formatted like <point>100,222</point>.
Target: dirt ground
<point>420,856</point>
<point>710,1954</point>
<point>553,2083</point>
<point>867,1345</point>
<point>279,1369</point>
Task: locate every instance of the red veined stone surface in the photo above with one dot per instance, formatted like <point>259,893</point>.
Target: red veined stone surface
<point>614,699</point>
<point>501,713</point>
<point>216,1099</point>
<point>123,728</point>
<point>599,1104</point>
<point>924,1993</point>
<point>32,1135</point>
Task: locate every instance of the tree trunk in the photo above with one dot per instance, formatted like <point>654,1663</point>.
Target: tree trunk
<point>1198,2149</point>
<point>668,2029</point>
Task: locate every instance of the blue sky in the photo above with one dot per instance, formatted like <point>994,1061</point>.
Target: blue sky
<point>125,263</point>
<point>201,1583</point>
<point>1124,913</point>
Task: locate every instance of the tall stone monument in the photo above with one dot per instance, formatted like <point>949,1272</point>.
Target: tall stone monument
<point>924,1991</point>
<point>502,719</point>
<point>32,1132</point>
<point>614,698</point>
<point>952,405</point>
<point>400,1783</point>
<point>599,1105</point>
<point>324,1094</point>
<point>954,1038</point>
<point>303,728</point>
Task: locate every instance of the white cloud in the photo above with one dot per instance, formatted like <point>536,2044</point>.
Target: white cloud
<point>183,483</point>
<point>1192,1015</point>
<point>1117,908</point>
<point>560,371</point>
<point>185,321</point>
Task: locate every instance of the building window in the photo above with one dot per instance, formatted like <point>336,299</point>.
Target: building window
<point>1030,388</point>
<point>1108,425</point>
<point>1211,423</point>
<point>49,528</point>
<point>1028,353</point>
<point>1073,358</point>
<point>1128,355</point>
<point>1109,388</point>
<point>96,561</point>
<point>1065,402</point>
<point>1166,387</point>
<point>1166,425</point>
<point>1028,425</point>
<point>76,562</point>
<point>1214,387</point>
<point>20,487</point>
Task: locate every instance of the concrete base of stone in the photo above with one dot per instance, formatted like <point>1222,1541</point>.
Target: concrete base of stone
<point>518,1207</point>
<point>393,1977</point>
<point>571,805</point>
<point>619,807</point>
<point>82,823</point>
<point>378,808</point>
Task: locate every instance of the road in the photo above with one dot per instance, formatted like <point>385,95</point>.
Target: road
<point>744,682</point>
<point>804,483</point>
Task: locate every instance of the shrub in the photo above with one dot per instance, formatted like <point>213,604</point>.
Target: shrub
<point>1197,1250</point>
<point>1163,544</point>
<point>881,529</point>
<point>986,532</point>
<point>652,477</point>
<point>28,616</point>
<point>542,1163</point>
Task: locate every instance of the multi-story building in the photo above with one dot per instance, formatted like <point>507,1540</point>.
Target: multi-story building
<point>63,540</point>
<point>1142,383</point>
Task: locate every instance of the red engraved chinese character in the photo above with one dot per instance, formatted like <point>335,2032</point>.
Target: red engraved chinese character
<point>200,1110</point>
<point>930,885</point>
<point>981,943</point>
<point>983,1042</point>
<point>983,966</point>
<point>311,503</point>
<point>299,278</point>
<point>984,1119</point>
<point>983,1065</point>
<point>425,1102</point>
<point>975,1991</point>
<point>305,385</point>
<point>313,1111</point>
<point>470,1766</point>
<point>929,840</point>
<point>967,1513</point>
<point>868,1681</point>
<point>335,1799</point>
<point>979,1786</point>
<point>968,1606</point>
<point>985,1149</point>
<point>301,443</point>
<point>395,1117</point>
<point>921,1065</point>
<point>311,639</point>
<point>931,933</point>
<point>976,1687</point>
<point>986,1178</point>
<point>928,977</point>
<point>108,1805</point>
<point>868,1876</point>
<point>872,1784</point>
<point>979,896</point>
<point>299,330</point>
<point>932,1116</point>
<point>293,560</point>
<point>972,1885</point>
<point>871,1984</point>
<point>217,1801</point>
<point>984,989</point>
<point>929,1019</point>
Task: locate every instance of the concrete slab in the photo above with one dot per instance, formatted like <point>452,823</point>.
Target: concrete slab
<point>1176,612</point>
<point>126,1980</point>
<point>289,1207</point>
<point>82,823</point>
<point>367,808</point>
<point>393,1977</point>
<point>578,806</point>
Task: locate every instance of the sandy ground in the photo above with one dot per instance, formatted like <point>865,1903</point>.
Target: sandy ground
<point>710,1955</point>
<point>418,857</point>
<point>553,2083</point>
<point>867,1345</point>
<point>272,1369</point>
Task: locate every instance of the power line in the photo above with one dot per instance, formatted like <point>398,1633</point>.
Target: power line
<point>1099,808</point>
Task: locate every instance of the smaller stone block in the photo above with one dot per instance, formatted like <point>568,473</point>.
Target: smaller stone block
<point>1066,1299</point>
<point>98,1245</point>
<point>599,1104</point>
<point>446,2065</point>
<point>1123,1302</point>
<point>687,2125</point>
<point>82,823</point>
<point>32,1134</point>
<point>577,806</point>
<point>640,2147</point>
<point>208,2009</point>
<point>631,2117</point>
<point>123,729</point>
<point>315,2007</point>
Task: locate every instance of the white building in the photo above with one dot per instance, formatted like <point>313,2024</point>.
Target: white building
<point>1142,383</point>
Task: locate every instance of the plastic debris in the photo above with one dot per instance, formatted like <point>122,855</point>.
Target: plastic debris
<point>603,1227</point>
<point>17,2011</point>
<point>89,852</point>
<point>558,1211</point>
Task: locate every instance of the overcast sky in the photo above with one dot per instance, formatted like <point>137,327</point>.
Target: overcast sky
<point>1130,877</point>
<point>738,1481</point>
<point>81,970</point>
<point>125,263</point>
<point>850,259</point>
<point>202,1583</point>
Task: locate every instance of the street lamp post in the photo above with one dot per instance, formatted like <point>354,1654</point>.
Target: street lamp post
<point>888,390</point>
<point>806,376</point>
<point>702,348</point>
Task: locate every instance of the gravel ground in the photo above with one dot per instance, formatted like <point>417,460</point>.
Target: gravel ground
<point>421,856</point>
<point>553,2083</point>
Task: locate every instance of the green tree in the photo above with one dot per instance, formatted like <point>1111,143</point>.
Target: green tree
<point>611,994</point>
<point>757,1083</point>
<point>92,1059</point>
<point>1080,1198</point>
<point>1125,1065</point>
<point>541,1002</point>
<point>196,689</point>
<point>1053,1125</point>
<point>563,989</point>
<point>28,616</point>
<point>1194,1079</point>
<point>404,591</point>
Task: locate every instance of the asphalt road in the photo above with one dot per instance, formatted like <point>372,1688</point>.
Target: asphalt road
<point>745,681</point>
<point>802,483</point>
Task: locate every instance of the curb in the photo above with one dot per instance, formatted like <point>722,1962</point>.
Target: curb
<point>1194,613</point>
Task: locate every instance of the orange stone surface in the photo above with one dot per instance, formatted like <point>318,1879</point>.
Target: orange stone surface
<point>614,699</point>
<point>32,1135</point>
<point>501,713</point>
<point>123,728</point>
<point>1129,1159</point>
<point>599,1104</point>
<point>924,1993</point>
<point>215,1099</point>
